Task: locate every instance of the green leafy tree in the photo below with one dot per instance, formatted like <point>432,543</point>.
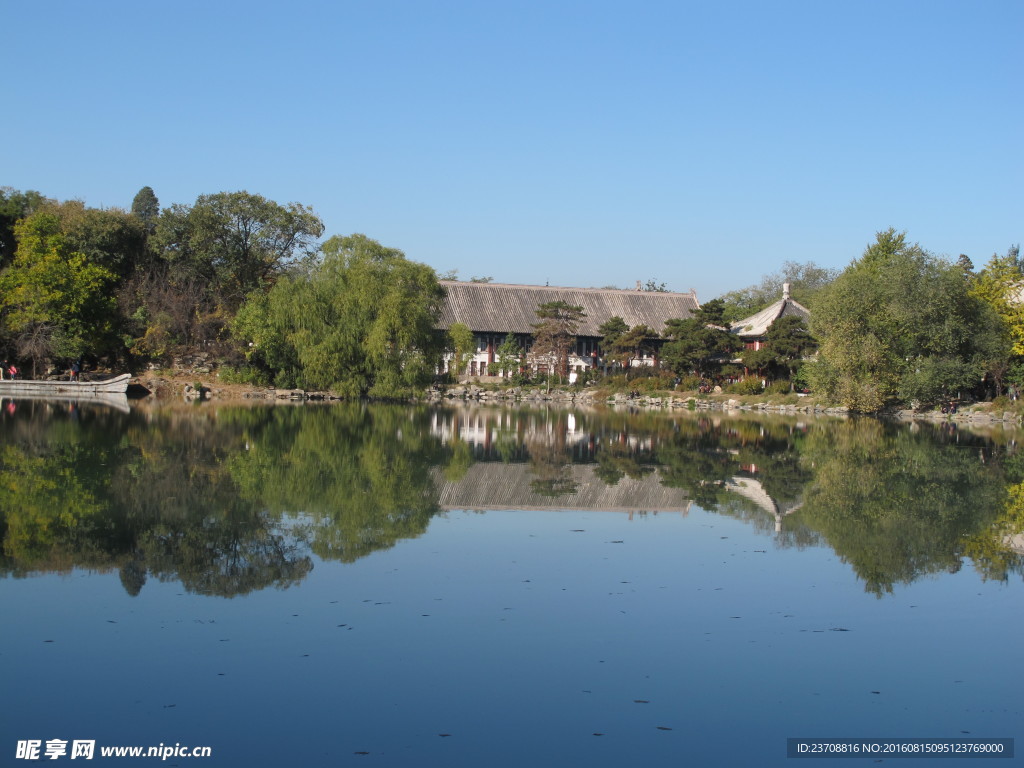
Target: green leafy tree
<point>555,334</point>
<point>14,206</point>
<point>461,342</point>
<point>965,264</point>
<point>1000,285</point>
<point>509,355</point>
<point>900,325</point>
<point>54,298</point>
<point>360,323</point>
<point>108,237</point>
<point>235,242</point>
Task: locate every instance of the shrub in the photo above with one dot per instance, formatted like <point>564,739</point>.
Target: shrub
<point>243,374</point>
<point>520,379</point>
<point>689,383</point>
<point>801,380</point>
<point>748,386</point>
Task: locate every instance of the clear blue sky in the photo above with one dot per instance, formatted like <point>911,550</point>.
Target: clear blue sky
<point>577,143</point>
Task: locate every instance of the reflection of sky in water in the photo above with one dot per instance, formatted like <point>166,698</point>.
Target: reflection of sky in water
<point>520,634</point>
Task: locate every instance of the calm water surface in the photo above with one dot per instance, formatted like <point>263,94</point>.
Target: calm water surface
<point>393,586</point>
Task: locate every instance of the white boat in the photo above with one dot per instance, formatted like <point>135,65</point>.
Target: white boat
<point>118,401</point>
<point>116,385</point>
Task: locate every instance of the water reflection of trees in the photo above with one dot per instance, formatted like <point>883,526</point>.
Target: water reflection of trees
<point>900,503</point>
<point>230,500</point>
<point>358,477</point>
<point>894,501</point>
<point>225,500</point>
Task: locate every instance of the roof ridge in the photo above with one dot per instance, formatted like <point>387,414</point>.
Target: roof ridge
<point>631,291</point>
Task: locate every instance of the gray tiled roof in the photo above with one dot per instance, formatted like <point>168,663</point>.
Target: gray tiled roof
<point>503,308</point>
<point>496,485</point>
<point>758,324</point>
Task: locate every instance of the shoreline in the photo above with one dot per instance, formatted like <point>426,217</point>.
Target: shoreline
<point>174,386</point>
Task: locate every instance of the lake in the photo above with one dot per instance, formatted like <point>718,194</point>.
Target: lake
<point>375,585</point>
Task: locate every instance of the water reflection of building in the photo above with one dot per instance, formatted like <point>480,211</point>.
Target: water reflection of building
<point>1015,542</point>
<point>484,429</point>
<point>751,489</point>
<point>498,486</point>
<point>523,458</point>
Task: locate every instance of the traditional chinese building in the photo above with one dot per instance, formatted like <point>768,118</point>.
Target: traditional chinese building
<point>495,310</point>
<point>753,329</point>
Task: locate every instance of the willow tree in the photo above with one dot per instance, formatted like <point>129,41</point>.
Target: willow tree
<point>361,322</point>
<point>460,344</point>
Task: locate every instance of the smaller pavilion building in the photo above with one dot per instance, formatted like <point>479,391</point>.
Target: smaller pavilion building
<point>753,329</point>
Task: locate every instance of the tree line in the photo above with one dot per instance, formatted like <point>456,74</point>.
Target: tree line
<point>251,282</point>
<point>242,277</point>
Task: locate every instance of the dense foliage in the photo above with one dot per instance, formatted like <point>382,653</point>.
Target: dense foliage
<point>359,322</point>
<point>700,343</point>
<point>900,325</point>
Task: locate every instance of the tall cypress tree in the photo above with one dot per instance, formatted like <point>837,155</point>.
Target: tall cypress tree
<point>146,207</point>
